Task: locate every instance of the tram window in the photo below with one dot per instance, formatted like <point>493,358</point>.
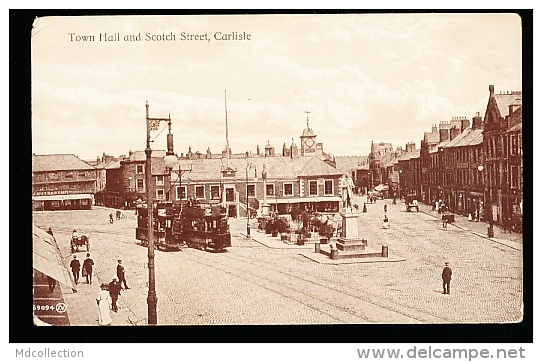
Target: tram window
<point>214,224</point>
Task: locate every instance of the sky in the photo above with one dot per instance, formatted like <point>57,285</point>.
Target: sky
<point>363,78</point>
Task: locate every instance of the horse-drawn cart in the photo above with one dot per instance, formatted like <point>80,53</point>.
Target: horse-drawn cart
<point>79,241</point>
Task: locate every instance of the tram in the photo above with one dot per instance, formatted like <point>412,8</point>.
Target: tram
<point>196,225</point>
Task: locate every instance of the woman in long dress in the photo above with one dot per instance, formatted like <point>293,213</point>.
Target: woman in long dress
<point>104,300</point>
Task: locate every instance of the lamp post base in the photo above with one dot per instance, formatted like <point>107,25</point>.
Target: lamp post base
<point>152,301</point>
<point>248,231</point>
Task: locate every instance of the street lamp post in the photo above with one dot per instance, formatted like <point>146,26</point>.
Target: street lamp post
<point>249,165</point>
<point>265,206</point>
<point>152,301</point>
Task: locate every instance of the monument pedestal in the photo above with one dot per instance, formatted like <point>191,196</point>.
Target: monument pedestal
<point>350,245</point>
<point>357,244</point>
<point>350,240</point>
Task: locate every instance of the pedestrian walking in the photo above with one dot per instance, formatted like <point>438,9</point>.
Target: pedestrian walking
<point>110,217</point>
<point>50,232</point>
<point>75,265</point>
<point>446,278</point>
<point>52,283</point>
<point>121,274</point>
<point>385,208</point>
<point>103,300</point>
<point>364,207</point>
<point>114,292</point>
<point>444,222</point>
<point>87,268</point>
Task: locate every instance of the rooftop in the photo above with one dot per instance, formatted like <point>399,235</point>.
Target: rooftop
<point>284,168</point>
<point>58,162</point>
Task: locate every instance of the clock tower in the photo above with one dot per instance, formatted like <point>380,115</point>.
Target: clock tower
<point>308,140</point>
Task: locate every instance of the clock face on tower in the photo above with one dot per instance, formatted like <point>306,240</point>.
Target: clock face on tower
<point>309,142</point>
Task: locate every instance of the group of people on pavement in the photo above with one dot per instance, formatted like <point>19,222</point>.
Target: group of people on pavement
<point>109,292</point>
<point>75,266</point>
<point>109,295</point>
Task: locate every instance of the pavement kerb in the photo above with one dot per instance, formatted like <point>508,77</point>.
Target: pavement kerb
<point>274,244</point>
<point>509,243</point>
<point>319,258</point>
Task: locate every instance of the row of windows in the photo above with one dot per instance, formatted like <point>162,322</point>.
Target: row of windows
<point>464,154</point>
<point>55,176</point>
<point>512,177</point>
<point>67,186</point>
<point>496,178</point>
<point>214,190</point>
<point>504,145</point>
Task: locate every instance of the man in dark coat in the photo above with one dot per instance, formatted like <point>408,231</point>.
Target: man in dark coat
<point>50,232</point>
<point>87,265</point>
<point>121,275</point>
<point>114,292</point>
<point>75,265</point>
<point>446,277</point>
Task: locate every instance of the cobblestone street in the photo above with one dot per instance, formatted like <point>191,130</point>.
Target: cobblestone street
<point>254,284</point>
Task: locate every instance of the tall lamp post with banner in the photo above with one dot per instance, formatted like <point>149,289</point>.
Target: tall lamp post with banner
<point>152,125</point>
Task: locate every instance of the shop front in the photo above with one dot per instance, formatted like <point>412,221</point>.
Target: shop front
<point>62,202</point>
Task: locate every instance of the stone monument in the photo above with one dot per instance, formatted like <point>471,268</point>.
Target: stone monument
<point>349,241</point>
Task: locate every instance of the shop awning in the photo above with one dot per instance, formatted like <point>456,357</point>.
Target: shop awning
<point>62,197</point>
<point>77,197</point>
<point>296,200</point>
<point>47,258</point>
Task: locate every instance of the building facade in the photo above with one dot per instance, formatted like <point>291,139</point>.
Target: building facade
<point>503,158</point>
<point>62,182</point>
<point>476,168</point>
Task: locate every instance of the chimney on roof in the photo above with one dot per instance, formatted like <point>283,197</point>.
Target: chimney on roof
<point>477,121</point>
<point>491,91</point>
<point>410,146</point>
<point>434,129</point>
<point>258,150</point>
<point>454,132</point>
<point>293,150</point>
<point>130,153</point>
<point>513,107</point>
<point>465,123</point>
<point>444,134</point>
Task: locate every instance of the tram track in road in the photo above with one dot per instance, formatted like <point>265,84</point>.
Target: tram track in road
<point>345,306</point>
<point>286,288</point>
<point>350,310</point>
<point>362,295</point>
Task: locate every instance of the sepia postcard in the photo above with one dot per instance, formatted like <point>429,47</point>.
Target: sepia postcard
<point>277,170</point>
